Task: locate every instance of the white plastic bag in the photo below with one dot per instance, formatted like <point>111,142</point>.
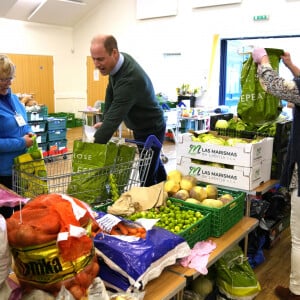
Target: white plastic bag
<point>88,134</point>
<point>5,255</point>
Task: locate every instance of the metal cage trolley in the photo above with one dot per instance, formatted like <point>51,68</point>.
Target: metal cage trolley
<point>93,186</point>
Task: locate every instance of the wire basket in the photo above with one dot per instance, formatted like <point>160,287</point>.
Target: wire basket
<point>94,184</point>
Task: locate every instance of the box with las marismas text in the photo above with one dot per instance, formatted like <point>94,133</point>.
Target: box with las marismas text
<point>242,178</point>
<point>241,166</point>
<point>211,147</point>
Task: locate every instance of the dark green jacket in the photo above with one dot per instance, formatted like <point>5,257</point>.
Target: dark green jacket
<point>130,97</point>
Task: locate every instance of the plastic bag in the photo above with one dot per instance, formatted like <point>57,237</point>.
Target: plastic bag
<point>129,266</point>
<point>91,163</point>
<point>88,158</point>
<point>256,106</point>
<point>5,255</point>
<point>32,171</point>
<point>235,277</point>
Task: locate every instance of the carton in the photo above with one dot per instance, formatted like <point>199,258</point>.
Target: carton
<point>237,177</point>
<point>245,155</point>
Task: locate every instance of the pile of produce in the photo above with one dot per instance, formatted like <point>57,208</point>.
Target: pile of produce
<point>185,187</point>
<point>237,125</point>
<point>211,138</point>
<point>51,240</point>
<point>171,217</point>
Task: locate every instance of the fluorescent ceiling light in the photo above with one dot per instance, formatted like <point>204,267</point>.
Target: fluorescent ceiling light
<point>37,9</point>
<point>79,2</point>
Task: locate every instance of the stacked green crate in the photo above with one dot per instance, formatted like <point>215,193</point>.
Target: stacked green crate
<point>57,135</point>
<point>70,117</point>
<point>37,119</point>
<point>78,122</point>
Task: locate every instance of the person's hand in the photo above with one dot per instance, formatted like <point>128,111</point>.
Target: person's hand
<point>286,58</point>
<point>28,140</point>
<point>97,125</point>
<point>31,134</point>
<point>258,54</point>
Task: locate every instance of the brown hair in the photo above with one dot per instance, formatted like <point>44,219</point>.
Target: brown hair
<point>7,68</point>
<point>110,43</point>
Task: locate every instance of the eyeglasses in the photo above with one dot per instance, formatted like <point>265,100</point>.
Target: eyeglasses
<point>5,80</point>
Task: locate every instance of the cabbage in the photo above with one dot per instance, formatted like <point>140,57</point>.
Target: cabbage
<point>202,286</point>
<point>221,124</point>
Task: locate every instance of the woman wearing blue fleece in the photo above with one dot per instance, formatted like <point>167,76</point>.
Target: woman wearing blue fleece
<point>15,133</point>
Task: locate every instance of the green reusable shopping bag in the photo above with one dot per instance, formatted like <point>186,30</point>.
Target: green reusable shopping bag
<point>95,166</point>
<point>90,169</point>
<point>235,277</point>
<point>256,106</point>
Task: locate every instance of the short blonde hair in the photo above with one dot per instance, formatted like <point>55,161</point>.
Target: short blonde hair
<point>7,68</point>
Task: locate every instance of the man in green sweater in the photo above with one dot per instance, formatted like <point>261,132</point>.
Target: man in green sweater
<point>130,98</point>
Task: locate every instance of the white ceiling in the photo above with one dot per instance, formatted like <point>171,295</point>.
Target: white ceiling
<point>53,12</point>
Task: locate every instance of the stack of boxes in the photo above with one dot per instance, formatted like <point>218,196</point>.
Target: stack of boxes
<point>57,135</point>
<point>37,119</point>
<point>247,165</point>
<point>281,139</point>
<point>51,132</point>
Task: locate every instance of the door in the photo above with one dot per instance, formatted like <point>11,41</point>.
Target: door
<point>34,75</point>
<point>96,83</point>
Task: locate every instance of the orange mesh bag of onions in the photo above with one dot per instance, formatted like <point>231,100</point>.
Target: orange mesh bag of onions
<point>51,240</point>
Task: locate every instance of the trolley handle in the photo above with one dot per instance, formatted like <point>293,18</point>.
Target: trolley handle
<point>152,141</point>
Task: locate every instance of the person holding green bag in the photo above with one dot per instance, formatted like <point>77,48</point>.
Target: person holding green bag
<point>15,133</point>
<point>130,98</point>
<point>288,90</point>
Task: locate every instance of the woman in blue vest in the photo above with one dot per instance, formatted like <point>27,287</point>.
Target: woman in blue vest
<point>288,90</point>
<point>15,133</point>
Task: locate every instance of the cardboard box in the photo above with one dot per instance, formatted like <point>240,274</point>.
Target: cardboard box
<point>275,231</point>
<point>246,155</point>
<point>266,170</point>
<point>239,177</point>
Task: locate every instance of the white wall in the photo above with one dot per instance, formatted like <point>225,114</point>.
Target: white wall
<point>37,39</point>
<point>191,32</point>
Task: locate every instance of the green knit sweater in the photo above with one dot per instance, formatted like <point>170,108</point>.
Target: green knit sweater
<point>130,97</point>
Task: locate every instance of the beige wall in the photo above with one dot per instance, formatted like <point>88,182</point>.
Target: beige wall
<point>190,32</point>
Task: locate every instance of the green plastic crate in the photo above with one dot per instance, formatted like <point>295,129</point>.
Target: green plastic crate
<point>40,114</point>
<point>197,232</point>
<point>56,135</point>
<point>223,218</point>
<point>200,230</point>
<point>56,123</point>
<point>70,118</point>
<point>78,122</point>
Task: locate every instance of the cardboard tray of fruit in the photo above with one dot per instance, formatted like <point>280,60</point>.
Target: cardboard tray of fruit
<point>225,206</point>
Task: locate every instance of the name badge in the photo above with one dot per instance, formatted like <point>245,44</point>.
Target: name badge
<point>20,120</point>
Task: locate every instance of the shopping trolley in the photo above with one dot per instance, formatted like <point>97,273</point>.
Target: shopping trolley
<point>59,175</point>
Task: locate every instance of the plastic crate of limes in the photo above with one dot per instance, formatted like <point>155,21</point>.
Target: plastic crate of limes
<point>180,219</point>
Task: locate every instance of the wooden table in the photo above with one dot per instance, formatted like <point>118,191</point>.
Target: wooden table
<point>166,286</point>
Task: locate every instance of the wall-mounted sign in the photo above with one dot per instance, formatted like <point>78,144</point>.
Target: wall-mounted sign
<point>204,3</point>
<point>147,9</point>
